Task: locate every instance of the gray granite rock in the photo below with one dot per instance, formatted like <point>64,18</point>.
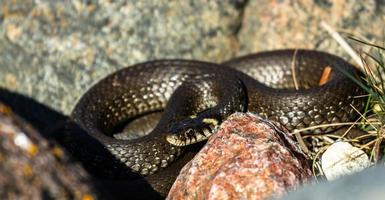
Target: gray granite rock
<point>368,185</point>
<point>54,50</point>
<point>276,24</point>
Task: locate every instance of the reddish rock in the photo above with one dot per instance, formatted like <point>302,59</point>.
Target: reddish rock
<point>248,158</point>
<point>30,168</point>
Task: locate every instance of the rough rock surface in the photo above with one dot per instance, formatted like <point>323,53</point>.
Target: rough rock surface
<point>274,24</point>
<point>31,169</point>
<point>248,158</point>
<point>368,185</point>
<point>54,50</point>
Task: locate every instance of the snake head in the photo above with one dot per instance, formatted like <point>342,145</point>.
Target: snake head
<point>190,131</point>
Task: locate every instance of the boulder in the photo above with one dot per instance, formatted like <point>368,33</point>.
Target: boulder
<point>54,51</point>
<point>248,158</point>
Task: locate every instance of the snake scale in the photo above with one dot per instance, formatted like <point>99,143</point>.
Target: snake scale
<point>194,97</point>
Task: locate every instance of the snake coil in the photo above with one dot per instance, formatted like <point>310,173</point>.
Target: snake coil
<point>195,97</point>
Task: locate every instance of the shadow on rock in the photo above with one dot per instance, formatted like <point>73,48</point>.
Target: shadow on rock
<point>109,175</point>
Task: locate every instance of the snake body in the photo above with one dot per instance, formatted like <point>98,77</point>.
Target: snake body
<point>196,96</point>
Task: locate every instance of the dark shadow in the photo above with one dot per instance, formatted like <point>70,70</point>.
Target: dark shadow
<point>40,116</point>
<point>112,178</point>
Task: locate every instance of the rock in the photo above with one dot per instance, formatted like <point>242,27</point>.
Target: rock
<point>248,158</point>
<point>296,24</point>
<point>55,50</point>
<point>30,168</point>
<point>341,158</point>
<point>368,184</point>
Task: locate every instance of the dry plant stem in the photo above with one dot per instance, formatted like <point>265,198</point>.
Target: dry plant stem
<point>337,137</point>
<point>316,167</point>
<point>332,124</point>
<point>373,60</point>
<point>348,130</point>
<point>293,61</point>
<point>372,133</point>
<point>343,44</point>
<point>379,138</point>
<point>361,96</point>
<point>302,143</point>
<point>316,162</point>
<point>357,140</point>
<point>350,127</point>
<point>371,76</point>
<point>375,154</point>
<point>372,118</point>
<point>371,44</point>
<point>368,144</point>
<point>317,135</point>
<point>328,139</point>
<point>363,117</point>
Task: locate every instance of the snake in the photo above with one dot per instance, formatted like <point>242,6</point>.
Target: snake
<point>179,103</point>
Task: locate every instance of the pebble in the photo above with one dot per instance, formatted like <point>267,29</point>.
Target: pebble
<point>341,159</point>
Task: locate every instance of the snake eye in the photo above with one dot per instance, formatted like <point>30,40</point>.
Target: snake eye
<point>190,133</point>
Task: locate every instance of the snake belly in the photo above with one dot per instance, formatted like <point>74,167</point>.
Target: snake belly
<point>260,83</point>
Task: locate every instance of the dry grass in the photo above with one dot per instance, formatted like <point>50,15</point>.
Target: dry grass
<point>371,121</point>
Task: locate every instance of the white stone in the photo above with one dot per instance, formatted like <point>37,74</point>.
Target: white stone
<point>341,158</point>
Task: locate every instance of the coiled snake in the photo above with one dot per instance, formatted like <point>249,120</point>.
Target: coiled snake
<point>196,97</point>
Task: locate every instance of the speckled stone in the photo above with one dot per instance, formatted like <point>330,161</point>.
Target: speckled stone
<point>248,158</point>
<point>276,24</point>
<point>55,50</point>
<point>32,169</point>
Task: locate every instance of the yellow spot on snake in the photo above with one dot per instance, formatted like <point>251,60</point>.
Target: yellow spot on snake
<point>173,140</point>
<point>210,121</point>
<point>193,116</point>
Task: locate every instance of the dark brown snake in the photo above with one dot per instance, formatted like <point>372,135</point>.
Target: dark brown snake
<point>195,97</point>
